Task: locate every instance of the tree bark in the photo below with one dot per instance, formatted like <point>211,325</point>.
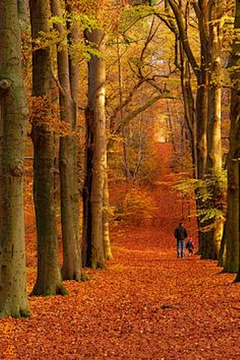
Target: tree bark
<point>189,107</point>
<point>49,280</point>
<point>13,125</point>
<point>23,14</point>
<point>106,204</point>
<point>68,155</point>
<point>93,242</point>
<point>232,236</point>
<point>202,100</point>
<point>213,237</point>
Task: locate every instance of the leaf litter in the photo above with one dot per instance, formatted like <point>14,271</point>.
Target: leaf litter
<point>145,305</point>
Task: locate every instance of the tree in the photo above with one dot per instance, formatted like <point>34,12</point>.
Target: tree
<point>207,105</point>
<point>68,155</point>
<point>13,124</point>
<point>93,192</point>
<point>214,157</point>
<point>201,72</point>
<point>96,240</point>
<point>232,229</point>
<point>49,280</point>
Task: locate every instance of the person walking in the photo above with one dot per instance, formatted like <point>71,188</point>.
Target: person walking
<point>180,233</point>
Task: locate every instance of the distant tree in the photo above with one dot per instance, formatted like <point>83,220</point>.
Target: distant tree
<point>49,280</point>
<point>141,81</point>
<point>201,72</point>
<point>68,157</point>
<point>13,125</point>
<point>232,230</point>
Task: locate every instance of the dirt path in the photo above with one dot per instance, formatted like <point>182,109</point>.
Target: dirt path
<point>146,305</point>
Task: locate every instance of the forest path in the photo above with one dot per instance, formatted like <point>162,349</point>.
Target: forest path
<point>146,305</point>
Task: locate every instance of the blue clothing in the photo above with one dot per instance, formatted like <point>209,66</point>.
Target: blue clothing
<point>180,248</point>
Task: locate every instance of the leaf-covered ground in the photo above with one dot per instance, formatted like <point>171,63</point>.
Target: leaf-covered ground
<point>146,305</point>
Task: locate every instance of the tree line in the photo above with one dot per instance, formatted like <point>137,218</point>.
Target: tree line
<point>87,38</point>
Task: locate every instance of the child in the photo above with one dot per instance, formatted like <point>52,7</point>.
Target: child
<point>190,246</point>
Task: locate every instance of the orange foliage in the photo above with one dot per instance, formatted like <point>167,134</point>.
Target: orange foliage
<point>106,12</point>
<point>43,113</point>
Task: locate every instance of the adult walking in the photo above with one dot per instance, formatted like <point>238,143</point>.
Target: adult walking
<point>180,234</point>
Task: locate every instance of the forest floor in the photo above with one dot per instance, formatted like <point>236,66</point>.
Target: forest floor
<point>145,305</point>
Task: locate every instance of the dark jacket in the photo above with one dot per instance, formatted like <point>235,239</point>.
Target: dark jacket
<point>190,245</point>
<point>180,233</point>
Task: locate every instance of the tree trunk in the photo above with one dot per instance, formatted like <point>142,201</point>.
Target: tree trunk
<point>214,159</point>
<point>124,129</point>
<point>93,249</point>
<point>106,232</point>
<point>68,156</point>
<point>49,281</point>
<point>232,229</point>
<point>23,14</point>
<point>189,108</point>
<point>13,125</point>
<point>202,102</point>
<point>201,73</point>
<point>208,123</point>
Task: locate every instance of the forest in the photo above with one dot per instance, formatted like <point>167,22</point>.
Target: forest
<point>118,119</point>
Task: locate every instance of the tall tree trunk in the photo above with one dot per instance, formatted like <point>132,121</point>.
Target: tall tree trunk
<point>208,123</point>
<point>202,102</point>
<point>201,73</point>
<point>124,129</point>
<point>68,156</point>
<point>189,108</point>
<point>93,247</point>
<point>212,238</point>
<point>49,280</point>
<point>232,229</point>
<point>13,125</point>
